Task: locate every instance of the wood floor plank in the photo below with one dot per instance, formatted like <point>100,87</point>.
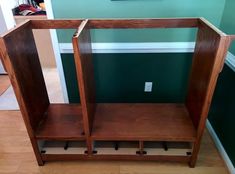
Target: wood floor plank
<point>4,83</point>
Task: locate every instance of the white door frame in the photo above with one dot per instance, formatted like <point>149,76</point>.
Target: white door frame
<point>6,21</point>
<point>55,45</point>
<point>9,20</point>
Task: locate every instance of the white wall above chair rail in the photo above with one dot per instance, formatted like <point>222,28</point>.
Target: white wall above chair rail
<point>146,47</point>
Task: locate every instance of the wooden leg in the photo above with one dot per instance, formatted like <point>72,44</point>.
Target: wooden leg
<point>192,163</point>
<point>41,163</point>
<point>37,152</point>
<point>195,152</point>
<point>197,143</point>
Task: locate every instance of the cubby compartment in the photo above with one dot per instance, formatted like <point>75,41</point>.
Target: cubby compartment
<point>167,148</point>
<point>61,121</point>
<point>62,147</point>
<point>115,147</point>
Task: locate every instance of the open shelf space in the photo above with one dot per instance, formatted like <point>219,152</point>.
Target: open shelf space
<point>63,121</point>
<point>173,148</point>
<point>116,148</point>
<point>130,121</point>
<point>63,147</point>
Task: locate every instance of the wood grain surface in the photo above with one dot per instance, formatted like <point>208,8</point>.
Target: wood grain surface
<point>55,24</point>
<point>208,60</point>
<point>166,122</point>
<point>21,60</point>
<point>62,122</point>
<point>144,23</point>
<point>85,73</point>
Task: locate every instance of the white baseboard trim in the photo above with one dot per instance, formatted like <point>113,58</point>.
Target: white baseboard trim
<point>143,47</point>
<point>230,61</point>
<point>220,148</point>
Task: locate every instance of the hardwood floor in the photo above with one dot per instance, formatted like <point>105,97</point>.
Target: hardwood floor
<point>4,83</point>
<point>16,156</point>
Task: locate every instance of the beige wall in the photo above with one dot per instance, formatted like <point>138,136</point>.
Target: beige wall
<point>3,28</point>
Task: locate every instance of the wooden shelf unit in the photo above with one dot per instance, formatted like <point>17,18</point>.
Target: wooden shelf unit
<point>136,130</point>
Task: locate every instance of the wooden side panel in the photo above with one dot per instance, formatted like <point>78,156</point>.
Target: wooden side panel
<point>85,74</point>
<point>210,52</point>
<point>208,60</point>
<point>20,57</point>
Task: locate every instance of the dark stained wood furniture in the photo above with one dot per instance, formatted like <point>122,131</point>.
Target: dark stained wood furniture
<point>136,131</point>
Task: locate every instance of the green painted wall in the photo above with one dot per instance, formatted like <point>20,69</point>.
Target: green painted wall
<point>118,87</point>
<point>227,22</point>
<point>121,77</point>
<point>210,9</point>
<point>222,113</point>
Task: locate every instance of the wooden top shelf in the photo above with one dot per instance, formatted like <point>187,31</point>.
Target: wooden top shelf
<point>63,122</point>
<point>156,122</point>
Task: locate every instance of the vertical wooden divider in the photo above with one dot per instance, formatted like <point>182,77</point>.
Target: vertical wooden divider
<point>210,52</point>
<point>85,74</point>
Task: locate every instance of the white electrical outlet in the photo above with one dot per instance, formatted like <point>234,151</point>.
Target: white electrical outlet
<point>148,86</point>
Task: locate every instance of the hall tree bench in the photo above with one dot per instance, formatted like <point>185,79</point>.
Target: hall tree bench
<point>112,131</point>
